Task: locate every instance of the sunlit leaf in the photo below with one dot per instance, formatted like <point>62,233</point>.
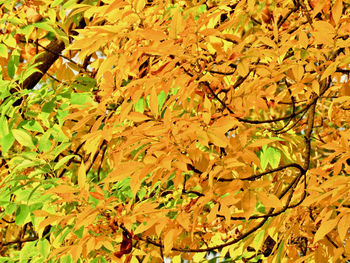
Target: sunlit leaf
<point>23,138</point>
<point>325,227</point>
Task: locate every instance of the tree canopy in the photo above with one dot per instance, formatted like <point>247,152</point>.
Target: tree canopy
<point>134,130</point>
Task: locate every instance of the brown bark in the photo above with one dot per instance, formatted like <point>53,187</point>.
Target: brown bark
<point>46,59</point>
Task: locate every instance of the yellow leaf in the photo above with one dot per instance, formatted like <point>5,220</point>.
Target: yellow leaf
<point>316,87</point>
<point>82,176</point>
<point>298,72</point>
<point>143,227</point>
<point>160,226</point>
<point>62,189</point>
<point>330,111</point>
<point>261,142</point>
<point>41,213</point>
<point>75,251</point>
<point>343,226</point>
<point>329,70</point>
<point>325,228</point>
<point>324,33</point>
<point>151,34</point>
<point>139,5</point>
<point>107,244</point>
<point>48,221</point>
<point>337,11</point>
<point>184,221</point>
<point>177,24</point>
<point>225,211</point>
<point>212,214</point>
<point>217,137</point>
<point>82,122</point>
<point>243,68</point>
<point>314,198</point>
<point>198,257</point>
<point>323,26</point>
<point>345,89</point>
<point>86,218</point>
<point>135,183</point>
<point>206,117</point>
<point>153,102</point>
<point>269,200</point>
<point>267,41</point>
<point>32,15</point>
<point>248,203</point>
<point>225,123</point>
<point>137,117</point>
<point>169,241</point>
<point>303,39</point>
<point>347,247</point>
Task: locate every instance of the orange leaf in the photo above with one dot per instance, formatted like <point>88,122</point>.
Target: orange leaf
<point>82,176</point>
<point>153,102</point>
<point>169,241</point>
<point>343,226</point>
<point>217,137</point>
<point>337,11</point>
<point>329,70</point>
<point>137,117</point>
<point>261,142</point>
<point>97,195</point>
<point>62,189</point>
<point>243,68</point>
<point>269,200</point>
<point>325,228</point>
<point>143,227</point>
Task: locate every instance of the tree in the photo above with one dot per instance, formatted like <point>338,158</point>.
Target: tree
<point>137,130</point>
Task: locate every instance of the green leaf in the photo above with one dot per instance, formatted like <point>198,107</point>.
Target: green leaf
<point>44,247</point>
<point>270,155</point>
<point>33,125</point>
<point>84,83</point>
<point>274,157</point>
<point>7,260</point>
<point>80,98</point>
<point>79,232</point>
<point>6,142</point>
<point>56,3</point>
<point>60,149</point>
<point>26,31</point>
<point>3,51</point>
<point>23,138</point>
<point>44,25</point>
<point>5,86</point>
<point>12,65</point>
<point>279,252</point>
<point>29,71</point>
<point>139,106</point>
<point>10,41</point>
<point>21,214</point>
<point>4,129</point>
<point>10,209</point>
<point>27,251</point>
<point>58,134</point>
<point>258,240</point>
<point>48,107</point>
<point>66,259</point>
<point>61,162</point>
<point>44,143</point>
<point>202,9</point>
<point>161,99</point>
